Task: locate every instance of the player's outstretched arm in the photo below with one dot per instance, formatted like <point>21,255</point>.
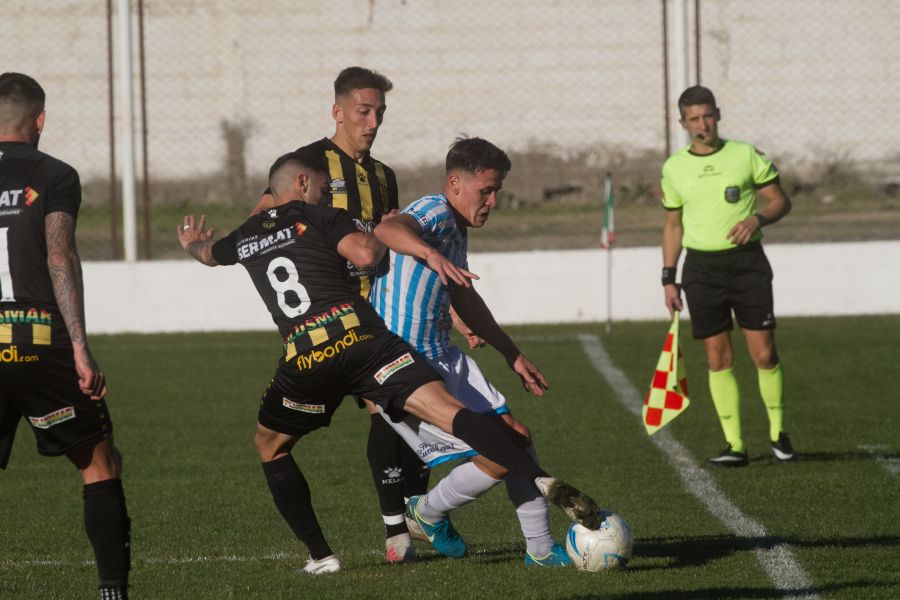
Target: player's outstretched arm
<point>472,309</point>
<point>403,235</point>
<point>197,242</point>
<point>362,249</point>
<point>68,288</point>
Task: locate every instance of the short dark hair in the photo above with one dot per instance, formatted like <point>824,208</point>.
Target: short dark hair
<point>360,78</point>
<point>694,96</point>
<point>473,154</point>
<point>303,159</point>
<point>21,97</point>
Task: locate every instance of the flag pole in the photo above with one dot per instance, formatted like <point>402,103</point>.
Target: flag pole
<point>608,239</point>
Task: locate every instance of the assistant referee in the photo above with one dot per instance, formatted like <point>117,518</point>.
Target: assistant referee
<point>710,191</point>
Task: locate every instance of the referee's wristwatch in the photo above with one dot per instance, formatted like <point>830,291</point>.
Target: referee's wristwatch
<point>668,275</point>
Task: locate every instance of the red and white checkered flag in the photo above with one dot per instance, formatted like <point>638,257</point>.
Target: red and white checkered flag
<point>668,395</point>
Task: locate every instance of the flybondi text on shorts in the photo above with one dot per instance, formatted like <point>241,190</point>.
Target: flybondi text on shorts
<point>11,355</point>
<point>306,361</point>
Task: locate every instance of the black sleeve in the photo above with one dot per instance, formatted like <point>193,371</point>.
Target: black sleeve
<point>64,193</point>
<point>225,250</point>
<point>393,190</point>
<point>337,224</point>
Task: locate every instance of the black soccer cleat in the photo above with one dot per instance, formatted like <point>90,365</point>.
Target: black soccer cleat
<point>729,458</point>
<point>782,448</point>
<point>576,504</point>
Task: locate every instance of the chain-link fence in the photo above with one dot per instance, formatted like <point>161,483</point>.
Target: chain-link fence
<point>571,89</point>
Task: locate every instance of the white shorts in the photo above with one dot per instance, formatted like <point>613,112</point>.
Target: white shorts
<point>464,380</point>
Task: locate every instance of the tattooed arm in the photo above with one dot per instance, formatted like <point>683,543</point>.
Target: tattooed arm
<point>197,242</point>
<point>65,275</point>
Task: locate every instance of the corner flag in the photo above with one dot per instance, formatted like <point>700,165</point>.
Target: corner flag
<point>668,395</point>
<point>608,233</point>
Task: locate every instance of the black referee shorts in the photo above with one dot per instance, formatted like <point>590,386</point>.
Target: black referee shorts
<point>717,283</point>
<point>370,362</point>
<point>40,383</point>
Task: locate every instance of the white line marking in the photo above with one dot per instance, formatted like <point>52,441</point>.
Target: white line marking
<point>778,562</point>
<point>891,464</point>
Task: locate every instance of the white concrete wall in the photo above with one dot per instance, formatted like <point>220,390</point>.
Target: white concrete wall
<point>521,287</point>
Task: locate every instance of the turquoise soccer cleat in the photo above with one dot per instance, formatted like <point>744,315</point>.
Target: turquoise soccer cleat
<point>558,557</point>
<point>443,536</point>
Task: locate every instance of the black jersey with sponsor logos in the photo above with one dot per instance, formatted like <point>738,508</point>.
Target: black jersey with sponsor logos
<point>32,185</point>
<point>365,189</point>
<point>291,255</point>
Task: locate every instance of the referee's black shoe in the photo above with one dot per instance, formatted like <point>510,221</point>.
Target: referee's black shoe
<point>729,458</point>
<point>782,448</point>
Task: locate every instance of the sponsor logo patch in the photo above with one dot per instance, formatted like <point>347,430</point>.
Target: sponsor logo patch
<point>11,355</point>
<point>732,194</point>
<point>313,409</point>
<point>320,355</point>
<point>54,418</point>
<point>30,196</point>
<point>392,367</point>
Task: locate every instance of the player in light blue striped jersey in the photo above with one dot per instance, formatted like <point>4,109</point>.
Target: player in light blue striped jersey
<point>425,285</point>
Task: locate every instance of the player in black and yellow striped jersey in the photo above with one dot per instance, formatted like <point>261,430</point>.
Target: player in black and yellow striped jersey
<point>47,372</point>
<point>367,189</point>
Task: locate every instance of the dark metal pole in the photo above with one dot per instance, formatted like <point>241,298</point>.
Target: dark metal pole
<point>113,195</point>
<point>145,188</point>
<point>697,39</point>
<point>665,47</point>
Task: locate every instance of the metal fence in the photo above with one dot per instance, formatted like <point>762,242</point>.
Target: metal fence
<point>572,89</point>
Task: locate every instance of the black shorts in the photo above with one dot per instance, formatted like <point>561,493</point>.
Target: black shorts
<point>40,383</point>
<point>717,283</point>
<point>370,362</point>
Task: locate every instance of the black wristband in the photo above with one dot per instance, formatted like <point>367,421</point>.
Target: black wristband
<point>668,275</point>
<point>762,220</point>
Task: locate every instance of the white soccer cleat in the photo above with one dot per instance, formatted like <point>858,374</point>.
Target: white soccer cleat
<point>329,564</point>
<point>576,504</point>
<point>415,530</point>
<point>399,549</point>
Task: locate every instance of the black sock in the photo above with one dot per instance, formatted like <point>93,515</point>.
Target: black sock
<point>109,530</point>
<point>491,442</point>
<point>385,454</point>
<point>415,472</point>
<point>294,501</point>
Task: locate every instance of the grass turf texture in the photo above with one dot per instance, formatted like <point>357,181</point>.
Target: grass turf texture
<point>205,526</point>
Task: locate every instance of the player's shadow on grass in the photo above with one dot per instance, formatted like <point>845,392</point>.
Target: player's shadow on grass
<point>725,593</point>
<point>699,550</point>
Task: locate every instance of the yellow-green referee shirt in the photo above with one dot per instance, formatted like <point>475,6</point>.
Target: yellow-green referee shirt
<point>715,191</point>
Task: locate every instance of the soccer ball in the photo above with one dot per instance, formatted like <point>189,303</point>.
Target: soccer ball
<point>602,549</point>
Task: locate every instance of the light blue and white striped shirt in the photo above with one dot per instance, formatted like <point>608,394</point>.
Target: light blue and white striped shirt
<point>410,296</point>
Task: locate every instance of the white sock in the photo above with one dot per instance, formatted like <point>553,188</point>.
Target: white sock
<point>533,511</point>
<point>460,486</point>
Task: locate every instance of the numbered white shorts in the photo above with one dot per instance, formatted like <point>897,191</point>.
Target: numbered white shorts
<point>464,380</point>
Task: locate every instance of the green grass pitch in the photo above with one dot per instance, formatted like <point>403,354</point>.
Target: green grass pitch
<point>204,525</point>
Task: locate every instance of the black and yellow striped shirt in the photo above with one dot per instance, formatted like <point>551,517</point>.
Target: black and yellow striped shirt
<point>365,189</point>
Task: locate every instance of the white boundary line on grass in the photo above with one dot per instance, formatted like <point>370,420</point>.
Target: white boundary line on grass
<point>182,560</point>
<point>879,452</point>
<point>783,570</point>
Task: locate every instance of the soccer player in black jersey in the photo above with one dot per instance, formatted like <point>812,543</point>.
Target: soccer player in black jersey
<point>47,372</point>
<point>367,189</point>
<point>336,345</point>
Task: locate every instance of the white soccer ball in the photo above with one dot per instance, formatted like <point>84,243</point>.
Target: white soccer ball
<point>602,549</point>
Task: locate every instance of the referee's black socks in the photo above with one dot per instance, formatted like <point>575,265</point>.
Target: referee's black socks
<point>292,497</point>
<point>109,530</point>
<point>494,444</point>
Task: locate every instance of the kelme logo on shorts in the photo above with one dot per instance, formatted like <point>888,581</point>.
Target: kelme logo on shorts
<point>392,367</point>
<point>306,361</point>
<point>54,418</point>
<point>313,409</point>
